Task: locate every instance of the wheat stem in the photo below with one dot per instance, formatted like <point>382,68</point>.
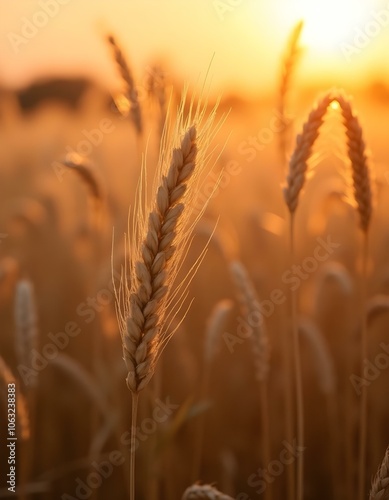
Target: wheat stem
<point>134,416</point>
<point>297,376</point>
<point>363,401</point>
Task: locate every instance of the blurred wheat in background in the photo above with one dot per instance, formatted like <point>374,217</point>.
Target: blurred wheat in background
<point>194,283</point>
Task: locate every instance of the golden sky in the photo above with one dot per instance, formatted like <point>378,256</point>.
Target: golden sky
<point>345,40</point>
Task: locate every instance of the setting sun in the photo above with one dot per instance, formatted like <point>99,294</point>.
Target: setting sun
<point>329,23</point>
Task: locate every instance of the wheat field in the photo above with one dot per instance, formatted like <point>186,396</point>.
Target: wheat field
<point>194,285</point>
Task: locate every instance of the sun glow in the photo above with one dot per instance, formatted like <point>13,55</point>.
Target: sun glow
<point>328,23</point>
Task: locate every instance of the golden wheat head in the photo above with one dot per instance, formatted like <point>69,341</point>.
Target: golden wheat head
<point>158,244</point>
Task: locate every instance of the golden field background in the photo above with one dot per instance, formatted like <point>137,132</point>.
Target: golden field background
<point>58,236</point>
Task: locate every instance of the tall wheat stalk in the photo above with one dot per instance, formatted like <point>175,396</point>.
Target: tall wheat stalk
<point>363,197</point>
<point>288,67</point>
<point>298,166</point>
<point>127,101</point>
<point>159,241</point>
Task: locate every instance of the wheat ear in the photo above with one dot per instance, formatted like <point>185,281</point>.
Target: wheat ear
<point>380,487</point>
<point>359,165</point>
<point>250,305</point>
<point>363,197</point>
<point>141,339</point>
<point>159,243</point>
<point>203,492</point>
<point>141,336</point>
<point>305,141</point>
<point>84,169</point>
<point>289,63</point>
<point>130,94</point>
<point>295,181</point>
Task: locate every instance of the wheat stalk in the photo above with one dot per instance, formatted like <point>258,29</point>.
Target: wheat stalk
<point>305,141</point>
<point>363,197</point>
<point>362,191</point>
<point>131,102</point>
<point>289,63</point>
<point>203,492</point>
<point>156,86</point>
<point>158,246</point>
<point>250,305</point>
<point>380,487</point>
<point>359,165</point>
<point>295,181</point>
<point>141,340</point>
<point>84,169</point>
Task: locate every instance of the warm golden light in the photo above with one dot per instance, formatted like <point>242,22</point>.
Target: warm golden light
<point>327,23</point>
<point>334,105</point>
